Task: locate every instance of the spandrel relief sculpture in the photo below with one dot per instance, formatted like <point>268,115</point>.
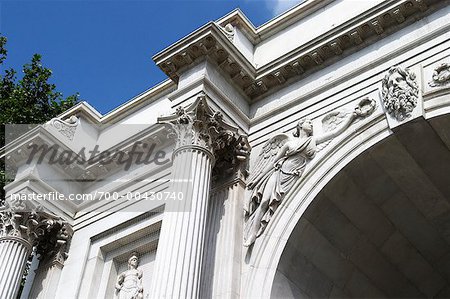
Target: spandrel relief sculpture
<point>129,282</point>
<point>400,92</point>
<point>282,162</point>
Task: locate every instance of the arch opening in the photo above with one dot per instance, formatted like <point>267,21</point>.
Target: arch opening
<point>380,227</point>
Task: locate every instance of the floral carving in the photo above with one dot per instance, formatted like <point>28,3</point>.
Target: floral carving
<point>400,92</point>
<point>441,75</point>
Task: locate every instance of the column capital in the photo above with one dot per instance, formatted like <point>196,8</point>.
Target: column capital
<point>48,233</point>
<point>199,125</point>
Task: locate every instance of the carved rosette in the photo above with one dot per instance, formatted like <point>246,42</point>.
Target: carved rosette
<point>48,233</point>
<point>400,92</point>
<point>199,126</point>
<point>441,75</point>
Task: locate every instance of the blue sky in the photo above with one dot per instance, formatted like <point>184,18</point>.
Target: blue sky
<point>103,49</point>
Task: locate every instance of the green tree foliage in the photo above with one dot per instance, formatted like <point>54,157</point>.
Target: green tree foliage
<point>31,99</point>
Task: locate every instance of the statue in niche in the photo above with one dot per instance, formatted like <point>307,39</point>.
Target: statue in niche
<point>129,282</point>
<point>282,161</point>
<point>400,92</point>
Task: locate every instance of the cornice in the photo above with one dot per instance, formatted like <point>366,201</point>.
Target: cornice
<point>273,26</point>
<point>210,41</point>
<point>18,151</point>
<point>34,183</point>
<point>93,116</point>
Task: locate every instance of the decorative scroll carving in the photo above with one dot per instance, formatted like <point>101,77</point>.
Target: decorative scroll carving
<point>129,282</point>
<point>441,75</point>
<point>229,31</point>
<point>281,163</point>
<point>400,92</point>
<point>48,233</point>
<point>66,127</point>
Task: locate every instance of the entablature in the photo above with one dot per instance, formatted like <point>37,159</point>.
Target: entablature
<point>214,42</point>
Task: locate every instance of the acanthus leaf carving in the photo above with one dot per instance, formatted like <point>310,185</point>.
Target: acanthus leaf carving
<point>199,125</point>
<point>400,92</point>
<point>48,233</point>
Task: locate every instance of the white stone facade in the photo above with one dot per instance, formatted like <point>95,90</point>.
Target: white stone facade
<point>367,214</point>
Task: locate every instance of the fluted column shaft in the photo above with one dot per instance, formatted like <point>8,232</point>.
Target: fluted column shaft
<point>14,252</point>
<point>180,249</point>
<point>203,139</point>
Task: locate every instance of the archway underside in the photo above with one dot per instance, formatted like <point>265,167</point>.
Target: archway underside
<point>381,227</point>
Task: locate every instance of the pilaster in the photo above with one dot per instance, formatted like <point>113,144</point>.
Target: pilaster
<point>223,257</point>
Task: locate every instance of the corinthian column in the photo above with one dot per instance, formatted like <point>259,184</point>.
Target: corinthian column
<point>200,135</point>
<point>21,229</point>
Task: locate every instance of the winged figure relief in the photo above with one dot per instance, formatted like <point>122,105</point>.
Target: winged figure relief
<point>282,161</point>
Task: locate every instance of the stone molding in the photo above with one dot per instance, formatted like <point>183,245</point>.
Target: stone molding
<point>211,41</point>
<point>19,150</point>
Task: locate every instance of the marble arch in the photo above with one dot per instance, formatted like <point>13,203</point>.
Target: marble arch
<point>231,88</point>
